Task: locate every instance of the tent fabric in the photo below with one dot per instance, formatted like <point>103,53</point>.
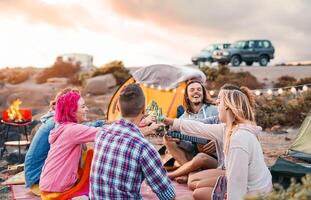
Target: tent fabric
<point>166,76</point>
<point>168,82</point>
<point>283,170</point>
<point>300,155</point>
<point>302,142</point>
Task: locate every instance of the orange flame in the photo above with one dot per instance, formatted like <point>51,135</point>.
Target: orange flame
<point>13,111</point>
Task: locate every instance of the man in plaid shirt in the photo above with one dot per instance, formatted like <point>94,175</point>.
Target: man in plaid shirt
<point>123,158</point>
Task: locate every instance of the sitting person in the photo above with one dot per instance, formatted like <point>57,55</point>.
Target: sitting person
<point>60,171</point>
<point>245,168</point>
<point>39,147</point>
<point>198,107</point>
<point>123,158</point>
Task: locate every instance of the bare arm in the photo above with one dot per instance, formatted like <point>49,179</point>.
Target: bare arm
<point>199,129</point>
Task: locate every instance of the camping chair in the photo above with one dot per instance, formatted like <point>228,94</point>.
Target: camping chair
<point>81,188</point>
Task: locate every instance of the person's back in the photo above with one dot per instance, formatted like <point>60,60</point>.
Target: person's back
<point>258,177</point>
<point>123,158</point>
<point>38,151</point>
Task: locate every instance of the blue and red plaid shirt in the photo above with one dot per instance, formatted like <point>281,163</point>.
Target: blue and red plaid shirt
<point>123,158</point>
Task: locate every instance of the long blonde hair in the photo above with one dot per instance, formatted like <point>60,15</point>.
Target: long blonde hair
<point>241,103</point>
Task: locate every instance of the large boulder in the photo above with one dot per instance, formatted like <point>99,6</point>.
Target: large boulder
<point>100,84</point>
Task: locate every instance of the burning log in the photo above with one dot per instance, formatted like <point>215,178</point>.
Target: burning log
<point>15,115</point>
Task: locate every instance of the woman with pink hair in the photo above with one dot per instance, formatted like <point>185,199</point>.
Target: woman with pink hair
<point>60,170</point>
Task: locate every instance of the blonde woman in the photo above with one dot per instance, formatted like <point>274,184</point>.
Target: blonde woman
<point>245,169</point>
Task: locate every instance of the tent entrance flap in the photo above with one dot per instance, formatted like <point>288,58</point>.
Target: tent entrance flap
<point>302,142</point>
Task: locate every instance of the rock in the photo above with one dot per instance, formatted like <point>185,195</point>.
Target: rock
<point>57,82</point>
<point>100,84</point>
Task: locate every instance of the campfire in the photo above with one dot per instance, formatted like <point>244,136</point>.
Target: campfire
<point>14,115</point>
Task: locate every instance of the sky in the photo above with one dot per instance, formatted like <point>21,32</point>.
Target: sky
<point>145,32</point>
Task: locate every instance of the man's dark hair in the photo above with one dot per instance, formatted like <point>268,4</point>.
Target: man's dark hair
<point>131,100</point>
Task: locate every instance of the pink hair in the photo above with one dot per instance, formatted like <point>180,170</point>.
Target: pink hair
<point>66,107</point>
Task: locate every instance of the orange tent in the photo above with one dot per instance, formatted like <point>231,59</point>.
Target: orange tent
<point>164,84</point>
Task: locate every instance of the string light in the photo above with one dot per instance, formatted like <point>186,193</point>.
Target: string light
<point>258,92</point>
<point>293,90</point>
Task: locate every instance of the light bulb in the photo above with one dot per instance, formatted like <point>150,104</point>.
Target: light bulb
<point>293,90</point>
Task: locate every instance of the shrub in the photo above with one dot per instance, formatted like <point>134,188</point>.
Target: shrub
<point>296,191</point>
<point>217,77</point>
<point>15,75</point>
<point>283,110</point>
<point>60,69</point>
<point>285,81</point>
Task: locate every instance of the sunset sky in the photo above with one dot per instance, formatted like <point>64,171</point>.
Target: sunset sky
<point>144,32</point>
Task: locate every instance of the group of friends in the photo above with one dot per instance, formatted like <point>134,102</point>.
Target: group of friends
<point>230,166</point>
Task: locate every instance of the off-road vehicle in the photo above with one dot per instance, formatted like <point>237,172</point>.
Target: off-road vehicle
<point>248,51</point>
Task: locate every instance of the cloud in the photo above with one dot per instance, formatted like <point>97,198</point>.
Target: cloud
<point>286,23</point>
<point>36,11</point>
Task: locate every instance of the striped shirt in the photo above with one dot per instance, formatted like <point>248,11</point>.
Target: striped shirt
<point>123,158</point>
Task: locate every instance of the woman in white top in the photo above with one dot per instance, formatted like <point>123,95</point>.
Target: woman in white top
<point>245,169</point>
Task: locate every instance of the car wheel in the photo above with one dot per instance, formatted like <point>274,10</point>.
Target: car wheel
<point>235,60</point>
<point>249,63</point>
<point>263,60</point>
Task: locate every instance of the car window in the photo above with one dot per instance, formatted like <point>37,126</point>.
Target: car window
<point>259,44</point>
<point>251,44</point>
<point>225,46</point>
<point>266,44</point>
<point>209,48</point>
<point>239,44</point>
